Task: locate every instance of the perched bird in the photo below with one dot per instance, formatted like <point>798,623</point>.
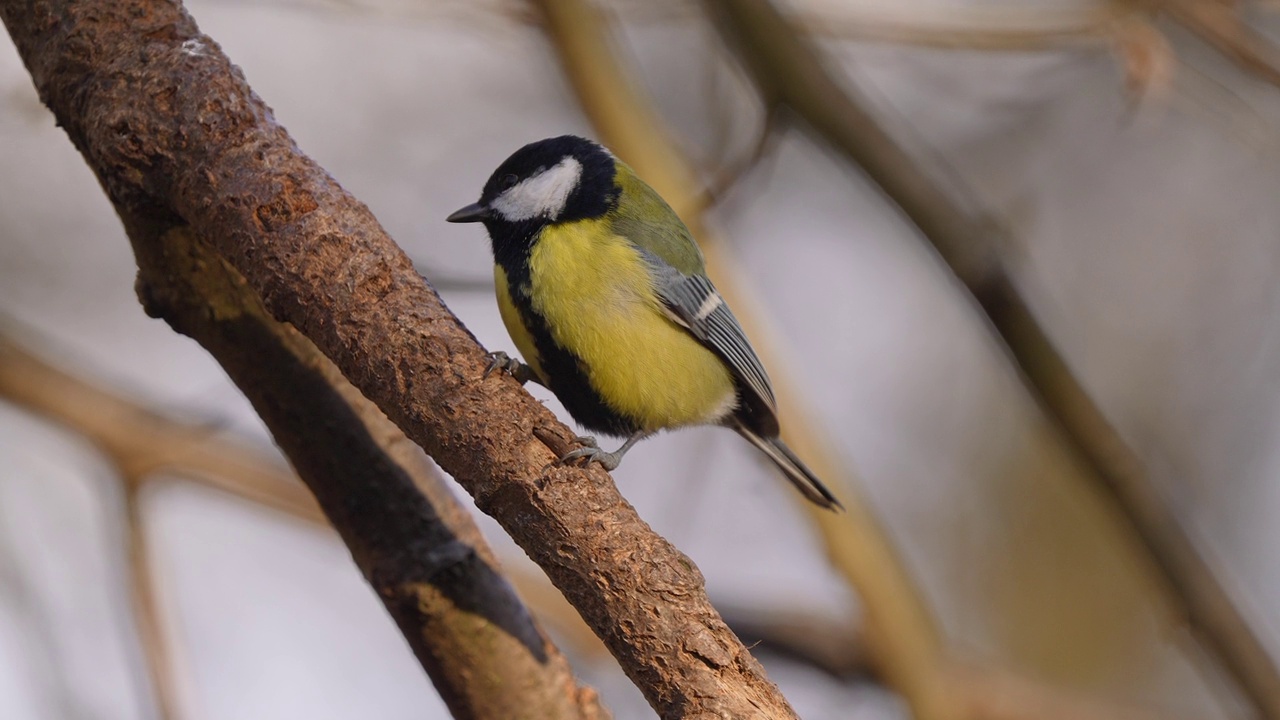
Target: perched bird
<point>603,291</point>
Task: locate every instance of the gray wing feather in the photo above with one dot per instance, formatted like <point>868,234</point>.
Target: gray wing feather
<point>694,303</point>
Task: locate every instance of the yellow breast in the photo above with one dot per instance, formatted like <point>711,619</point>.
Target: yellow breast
<point>596,294</point>
<point>515,324</point>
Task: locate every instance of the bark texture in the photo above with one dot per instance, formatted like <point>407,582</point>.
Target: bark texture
<point>178,140</point>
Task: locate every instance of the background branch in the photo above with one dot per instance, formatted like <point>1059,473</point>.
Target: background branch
<point>790,71</point>
<point>158,645</point>
<point>142,443</point>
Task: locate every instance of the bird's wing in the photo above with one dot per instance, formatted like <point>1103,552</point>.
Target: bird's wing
<point>693,303</point>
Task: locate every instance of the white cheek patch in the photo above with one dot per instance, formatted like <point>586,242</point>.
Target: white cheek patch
<point>544,194</point>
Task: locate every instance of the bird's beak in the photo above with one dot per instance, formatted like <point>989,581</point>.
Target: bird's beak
<point>475,212</point>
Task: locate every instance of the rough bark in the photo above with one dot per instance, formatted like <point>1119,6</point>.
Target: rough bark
<point>178,139</point>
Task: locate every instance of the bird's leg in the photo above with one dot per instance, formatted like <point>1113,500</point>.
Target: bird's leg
<point>500,361</point>
<point>593,453</point>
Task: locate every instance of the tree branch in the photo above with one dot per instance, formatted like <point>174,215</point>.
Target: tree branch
<point>178,139</point>
<point>790,71</point>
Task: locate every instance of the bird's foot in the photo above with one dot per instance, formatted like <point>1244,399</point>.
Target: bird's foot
<point>502,362</point>
<point>592,453</point>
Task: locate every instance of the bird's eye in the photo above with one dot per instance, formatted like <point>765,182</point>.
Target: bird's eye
<point>508,182</point>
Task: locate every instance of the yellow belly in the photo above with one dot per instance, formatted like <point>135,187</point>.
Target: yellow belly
<point>515,325</point>
<point>604,311</point>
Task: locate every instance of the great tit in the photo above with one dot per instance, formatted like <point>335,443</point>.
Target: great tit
<point>603,291</point>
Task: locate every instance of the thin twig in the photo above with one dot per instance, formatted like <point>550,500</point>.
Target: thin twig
<point>153,636</point>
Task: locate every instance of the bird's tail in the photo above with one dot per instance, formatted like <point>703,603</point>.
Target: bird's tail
<point>799,475</point>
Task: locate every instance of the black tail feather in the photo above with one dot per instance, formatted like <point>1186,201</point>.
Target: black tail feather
<point>802,477</point>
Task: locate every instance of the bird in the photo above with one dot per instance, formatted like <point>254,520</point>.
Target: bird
<point>605,294</point>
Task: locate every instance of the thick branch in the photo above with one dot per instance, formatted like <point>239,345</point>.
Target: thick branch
<point>790,71</point>
<point>177,138</point>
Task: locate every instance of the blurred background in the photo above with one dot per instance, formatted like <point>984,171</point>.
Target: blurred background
<point>1121,157</point>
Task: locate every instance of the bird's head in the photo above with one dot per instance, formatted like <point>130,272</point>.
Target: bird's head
<point>549,181</point>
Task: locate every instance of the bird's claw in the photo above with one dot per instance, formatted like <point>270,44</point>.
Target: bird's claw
<point>592,452</point>
<point>589,454</point>
<point>500,361</point>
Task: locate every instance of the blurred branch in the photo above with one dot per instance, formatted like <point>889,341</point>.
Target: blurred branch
<point>158,646</point>
<point>732,172</point>
<point>835,646</point>
<point>183,148</point>
<point>789,70</point>
<point>34,634</point>
<point>1149,60</point>
<point>144,446</point>
<point>1003,26</point>
<point>1221,26</point>
<point>142,443</point>
<point>986,694</point>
